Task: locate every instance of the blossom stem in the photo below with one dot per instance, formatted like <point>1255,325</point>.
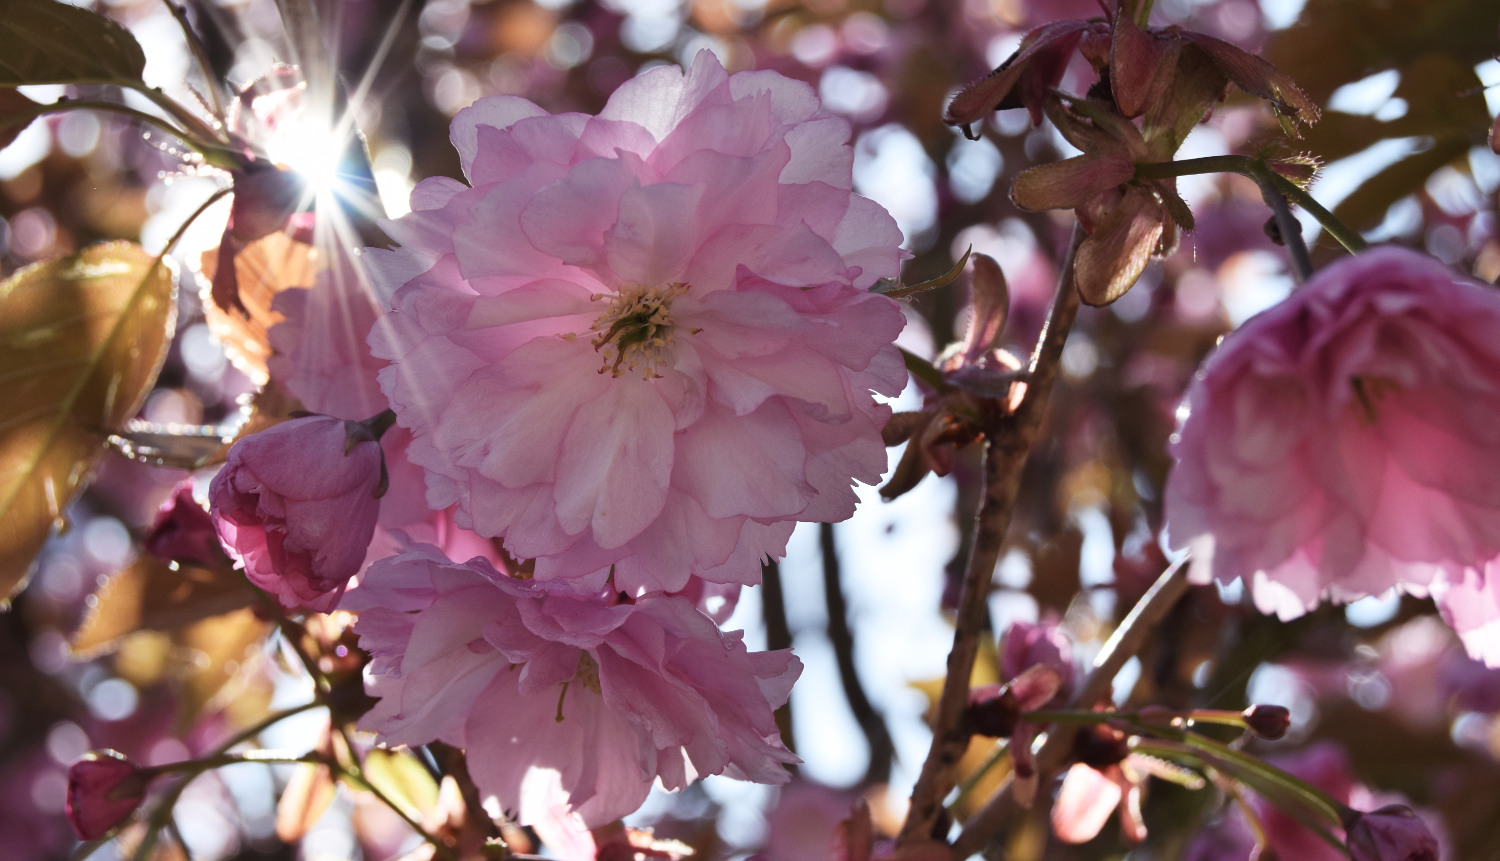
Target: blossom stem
<point>1289,230</point>
<point>1300,800</point>
<point>69,104</point>
<point>1008,442</point>
<point>193,769</point>
<point>1127,639</point>
<point>200,56</point>
<point>1264,176</point>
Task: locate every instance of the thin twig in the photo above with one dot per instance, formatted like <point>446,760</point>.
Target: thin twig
<point>871,722</point>
<point>778,636</point>
<point>1008,442</point>
<point>200,56</point>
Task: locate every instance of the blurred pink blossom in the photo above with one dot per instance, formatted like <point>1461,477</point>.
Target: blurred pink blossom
<point>1391,833</point>
<point>296,505</point>
<point>560,698</point>
<point>1345,441</point>
<point>643,342</point>
<point>183,531</point>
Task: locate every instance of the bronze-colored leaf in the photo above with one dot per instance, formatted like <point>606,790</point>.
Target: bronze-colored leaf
<point>149,595</point>
<point>1072,182</point>
<point>46,42</point>
<point>218,649</point>
<point>263,268</point>
<point>16,113</point>
<point>306,797</point>
<point>81,341</point>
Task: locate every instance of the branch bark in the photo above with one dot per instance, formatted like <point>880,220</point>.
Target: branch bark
<point>1008,442</point>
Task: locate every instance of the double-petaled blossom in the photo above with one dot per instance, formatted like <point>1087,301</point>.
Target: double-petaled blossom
<point>561,698</point>
<point>296,505</point>
<point>1344,442</point>
<point>643,342</point>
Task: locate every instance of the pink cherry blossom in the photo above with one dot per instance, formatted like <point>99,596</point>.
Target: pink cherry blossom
<point>1345,441</point>
<point>296,506</point>
<point>562,698</point>
<point>644,341</point>
<point>1470,602</point>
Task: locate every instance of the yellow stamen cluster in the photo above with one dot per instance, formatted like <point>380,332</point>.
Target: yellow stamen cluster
<point>635,331</point>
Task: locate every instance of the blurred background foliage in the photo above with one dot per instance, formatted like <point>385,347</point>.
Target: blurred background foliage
<point>1406,159</point>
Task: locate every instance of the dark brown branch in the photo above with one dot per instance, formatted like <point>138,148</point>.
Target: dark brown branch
<point>778,636</point>
<point>1008,442</point>
<point>871,723</point>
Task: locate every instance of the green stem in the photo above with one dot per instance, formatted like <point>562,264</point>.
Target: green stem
<point>67,104</point>
<point>1261,172</point>
<point>1256,771</point>
<point>203,138</point>
<point>200,56</point>
<point>1308,809</point>
<point>1143,13</point>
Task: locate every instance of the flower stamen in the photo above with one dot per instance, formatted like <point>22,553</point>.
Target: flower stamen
<point>636,330</point>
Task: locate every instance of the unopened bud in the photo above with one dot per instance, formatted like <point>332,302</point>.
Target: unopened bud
<point>104,787</point>
<point>1268,722</point>
<point>993,711</point>
<point>1100,746</point>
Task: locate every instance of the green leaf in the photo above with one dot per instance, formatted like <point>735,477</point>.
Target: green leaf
<point>46,42</point>
<point>81,341</point>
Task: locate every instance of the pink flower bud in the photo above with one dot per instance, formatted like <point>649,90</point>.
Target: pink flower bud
<point>1392,833</point>
<point>296,506</point>
<point>103,789</point>
<point>183,531</point>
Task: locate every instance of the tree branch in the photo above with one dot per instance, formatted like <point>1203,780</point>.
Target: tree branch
<point>1008,442</point>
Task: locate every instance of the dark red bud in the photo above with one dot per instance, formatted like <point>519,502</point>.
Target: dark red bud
<point>1100,746</point>
<point>993,711</point>
<point>1268,722</point>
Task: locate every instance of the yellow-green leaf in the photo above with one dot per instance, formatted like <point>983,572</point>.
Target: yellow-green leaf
<point>46,42</point>
<point>403,780</point>
<point>81,341</point>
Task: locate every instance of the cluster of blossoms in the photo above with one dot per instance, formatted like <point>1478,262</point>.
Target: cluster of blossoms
<point>622,361</point>
<point>633,351</point>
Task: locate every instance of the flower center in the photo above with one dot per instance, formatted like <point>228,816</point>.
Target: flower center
<point>635,331</point>
<point>587,675</point>
<point>1368,391</point>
